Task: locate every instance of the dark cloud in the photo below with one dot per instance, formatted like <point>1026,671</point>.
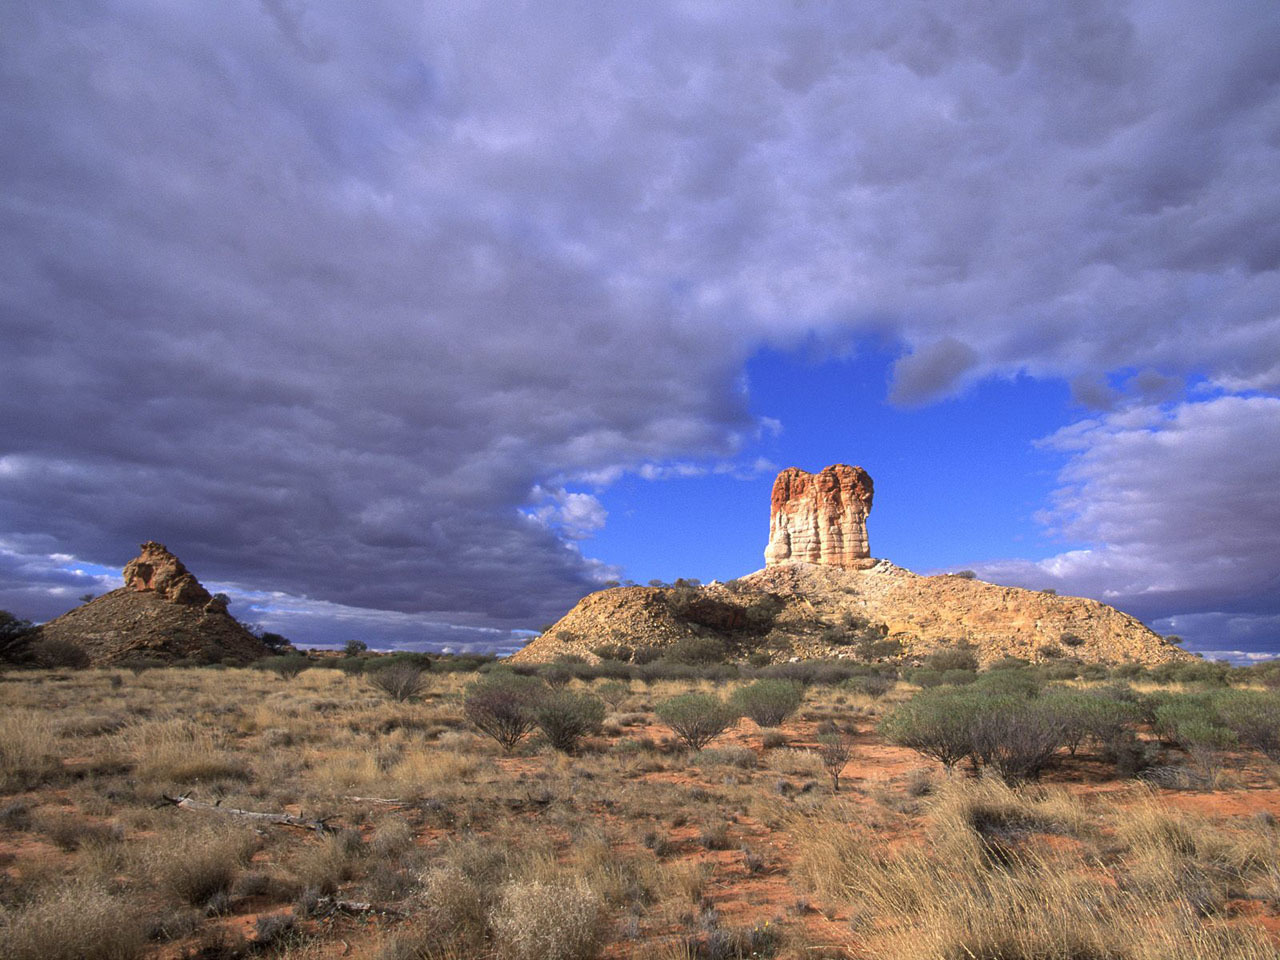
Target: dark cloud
<point>333,299</point>
<point>931,371</point>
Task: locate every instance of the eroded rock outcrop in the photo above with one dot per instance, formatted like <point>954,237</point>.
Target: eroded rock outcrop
<point>820,518</point>
<point>158,570</point>
<point>821,596</point>
<point>161,613</point>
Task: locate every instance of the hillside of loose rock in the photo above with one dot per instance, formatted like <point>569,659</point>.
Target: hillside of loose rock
<point>161,613</point>
<point>812,611</point>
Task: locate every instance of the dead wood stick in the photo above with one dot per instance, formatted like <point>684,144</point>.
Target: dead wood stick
<point>332,904</point>
<point>284,819</point>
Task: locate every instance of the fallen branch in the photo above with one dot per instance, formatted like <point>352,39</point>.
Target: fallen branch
<point>395,801</point>
<point>283,819</point>
<point>333,905</point>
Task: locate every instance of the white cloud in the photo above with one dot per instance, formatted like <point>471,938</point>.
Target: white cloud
<point>1179,505</point>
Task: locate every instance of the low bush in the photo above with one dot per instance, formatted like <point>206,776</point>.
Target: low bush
<point>937,723</point>
<point>835,750</point>
<point>696,651</point>
<point>1094,716</point>
<point>1015,737</point>
<point>768,702</point>
<point>565,717</point>
<point>1193,722</point>
<point>556,674</point>
<point>696,718</point>
<point>549,921</point>
<point>287,667</point>
<point>199,865</point>
<point>1254,717</point>
<point>1014,682</point>
<point>928,677</point>
<point>619,652</point>
<point>400,680</point>
<point>742,757</point>
<point>872,685</point>
<point>502,706</point>
<point>613,693</point>
<point>960,657</point>
<point>54,652</point>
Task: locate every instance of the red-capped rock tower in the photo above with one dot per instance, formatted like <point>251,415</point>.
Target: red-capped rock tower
<point>820,518</point>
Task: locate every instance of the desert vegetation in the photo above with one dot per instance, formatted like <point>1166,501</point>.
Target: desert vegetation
<point>406,807</point>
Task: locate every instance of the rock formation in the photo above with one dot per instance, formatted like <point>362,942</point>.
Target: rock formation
<point>820,518</point>
<point>820,595</point>
<point>161,613</point>
<point>159,570</point>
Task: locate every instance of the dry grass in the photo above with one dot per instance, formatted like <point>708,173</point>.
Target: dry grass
<point>979,885</point>
<point>549,921</point>
<point>539,854</point>
<point>181,752</point>
<point>77,922</point>
<point>28,747</point>
<point>200,862</point>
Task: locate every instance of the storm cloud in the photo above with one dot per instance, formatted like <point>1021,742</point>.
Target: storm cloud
<point>343,301</point>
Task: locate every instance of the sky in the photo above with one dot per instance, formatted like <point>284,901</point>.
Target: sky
<point>416,322</point>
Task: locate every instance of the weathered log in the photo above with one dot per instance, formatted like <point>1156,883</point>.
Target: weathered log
<point>283,819</point>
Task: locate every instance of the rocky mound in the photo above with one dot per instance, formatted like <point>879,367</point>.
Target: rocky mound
<point>162,613</point>
<point>820,595</point>
<point>811,611</point>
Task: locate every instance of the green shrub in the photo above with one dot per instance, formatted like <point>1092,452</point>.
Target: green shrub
<point>927,677</point>
<point>502,706</point>
<point>15,635</point>
<point>1254,717</point>
<point>1059,670</point>
<point>769,702</point>
<point>960,657</point>
<point>287,667</point>
<point>556,674</point>
<point>55,652</point>
<point>1095,716</point>
<point>565,717</point>
<point>873,685</point>
<point>696,650</point>
<point>400,680</point>
<point>1128,671</point>
<point>352,666</point>
<point>620,652</point>
<point>1016,682</point>
<point>696,718</point>
<point>1014,736</point>
<point>613,693</point>
<point>1193,722</point>
<point>937,723</point>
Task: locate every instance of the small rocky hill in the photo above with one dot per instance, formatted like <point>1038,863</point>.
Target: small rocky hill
<point>162,613</point>
<point>847,604</point>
